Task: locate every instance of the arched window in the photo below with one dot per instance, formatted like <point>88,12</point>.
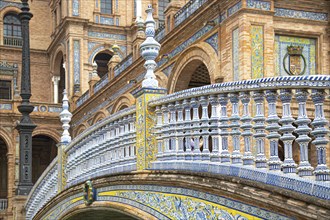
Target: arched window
<point>106,7</point>
<point>12,30</point>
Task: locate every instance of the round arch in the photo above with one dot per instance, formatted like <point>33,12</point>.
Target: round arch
<point>130,211</point>
<point>54,59</point>
<point>202,53</point>
<point>52,133</point>
<point>9,9</point>
<point>6,138</point>
<point>80,129</point>
<point>123,101</point>
<point>98,117</point>
<point>99,48</point>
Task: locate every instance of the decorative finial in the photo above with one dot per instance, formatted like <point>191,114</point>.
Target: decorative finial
<point>65,117</point>
<point>93,74</point>
<point>115,49</point>
<point>149,51</point>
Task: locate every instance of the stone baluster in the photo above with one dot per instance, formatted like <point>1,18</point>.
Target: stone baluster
<point>236,156</point>
<point>320,123</point>
<point>159,132</point>
<point>187,129</point>
<point>246,127</point>
<point>304,168</point>
<point>179,128</point>
<point>205,127</point>
<point>259,127</point>
<point>273,136</point>
<point>214,126</point>
<point>195,128</point>
<point>165,131</point>
<point>289,166</point>
<point>172,131</point>
<point>224,155</point>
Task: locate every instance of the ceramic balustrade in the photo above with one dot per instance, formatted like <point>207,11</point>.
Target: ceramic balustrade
<point>188,9</point>
<point>107,147</point>
<point>43,190</point>
<point>217,124</point>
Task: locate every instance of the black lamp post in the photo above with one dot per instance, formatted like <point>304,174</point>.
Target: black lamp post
<point>25,126</point>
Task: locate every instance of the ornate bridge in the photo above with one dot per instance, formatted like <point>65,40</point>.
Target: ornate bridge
<point>252,149</point>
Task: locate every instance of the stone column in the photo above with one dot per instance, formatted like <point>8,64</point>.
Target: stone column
<point>55,80</point>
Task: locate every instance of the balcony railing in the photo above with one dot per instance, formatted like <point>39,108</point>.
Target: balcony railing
<point>83,98</point>
<point>101,83</point>
<point>124,64</point>
<point>160,33</point>
<point>188,9</point>
<point>13,41</point>
<point>3,204</point>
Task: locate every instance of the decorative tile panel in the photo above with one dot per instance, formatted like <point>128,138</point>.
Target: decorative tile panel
<point>257,47</point>
<point>262,5</point>
<point>168,69</point>
<point>213,41</point>
<point>107,35</point>
<point>235,51</point>
<point>289,13</point>
<point>91,45</point>
<point>199,34</point>
<point>120,67</point>
<point>232,10</point>
<point>75,8</point>
<point>309,53</point>
<point>6,4</point>
<point>6,106</point>
<point>106,20</point>
<point>76,65</point>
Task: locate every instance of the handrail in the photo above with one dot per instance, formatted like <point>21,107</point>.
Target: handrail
<point>281,82</point>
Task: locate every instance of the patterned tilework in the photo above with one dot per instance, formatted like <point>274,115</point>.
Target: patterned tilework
<point>6,106</point>
<point>199,34</point>
<point>145,120</point>
<point>257,58</point>
<point>262,5</point>
<point>213,41</point>
<point>6,3</point>
<point>183,203</point>
<point>232,10</point>
<point>120,67</point>
<point>76,60</point>
<point>168,69</point>
<point>91,45</point>
<point>68,66</point>
<point>107,35</point>
<point>75,7</point>
<point>309,52</point>
<point>106,20</point>
<point>317,16</point>
<point>235,51</point>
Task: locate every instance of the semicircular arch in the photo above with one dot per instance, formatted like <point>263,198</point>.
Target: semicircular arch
<point>49,132</point>
<point>4,135</point>
<point>98,117</point>
<point>9,9</point>
<point>125,100</point>
<point>202,53</point>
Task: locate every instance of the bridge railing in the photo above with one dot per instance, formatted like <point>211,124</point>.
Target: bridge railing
<point>106,148</point>
<point>245,123</point>
<point>43,190</point>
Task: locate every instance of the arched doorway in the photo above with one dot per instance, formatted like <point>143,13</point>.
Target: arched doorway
<point>3,175</point>
<point>44,150</point>
<point>102,60</point>
<point>194,74</point>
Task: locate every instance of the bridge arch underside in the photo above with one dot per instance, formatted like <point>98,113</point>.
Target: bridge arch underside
<point>184,195</point>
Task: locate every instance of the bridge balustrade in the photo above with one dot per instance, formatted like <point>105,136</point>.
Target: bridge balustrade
<point>43,190</point>
<point>108,147</point>
<point>235,129</point>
